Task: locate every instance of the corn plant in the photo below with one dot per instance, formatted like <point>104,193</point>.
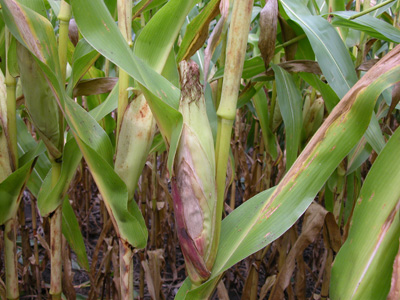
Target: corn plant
<point>287,108</point>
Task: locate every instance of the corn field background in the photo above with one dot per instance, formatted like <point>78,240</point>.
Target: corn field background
<point>199,149</point>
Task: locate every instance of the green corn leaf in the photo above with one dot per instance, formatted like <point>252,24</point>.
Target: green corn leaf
<point>102,34</point>
<point>373,239</point>
<point>265,217</point>
<point>12,187</point>
<point>73,235</point>
<point>290,104</point>
<point>332,56</point>
<point>91,138</point>
<point>25,144</point>
<point>372,26</point>
<point>166,24</point>
<point>261,106</point>
<point>374,135</point>
<point>252,67</point>
<point>70,225</point>
<point>331,53</point>
<point>197,31</point>
<point>83,58</point>
<point>163,97</point>
<point>49,197</point>
<point>155,46</point>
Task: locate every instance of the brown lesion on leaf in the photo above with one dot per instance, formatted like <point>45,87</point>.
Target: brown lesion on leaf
<point>270,211</point>
<point>105,25</point>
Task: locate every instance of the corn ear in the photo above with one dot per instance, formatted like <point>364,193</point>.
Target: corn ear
<point>40,102</point>
<point>313,119</point>
<point>193,184</point>
<point>5,158</point>
<point>134,142</point>
<point>268,28</point>
<point>306,108</point>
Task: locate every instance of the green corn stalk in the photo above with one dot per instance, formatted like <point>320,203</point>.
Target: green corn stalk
<point>193,185</point>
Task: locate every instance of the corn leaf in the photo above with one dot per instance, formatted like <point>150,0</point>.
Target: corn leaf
<point>73,235</point>
<point>83,58</point>
<point>70,226</point>
<point>158,36</point>
<point>155,47</point>
<point>331,53</point>
<point>101,32</point>
<point>372,243</point>
<point>25,144</point>
<point>48,197</point>
<point>265,217</point>
<point>12,187</point>
<point>197,31</point>
<point>290,104</point>
<point>372,26</point>
<point>261,106</point>
<point>28,27</point>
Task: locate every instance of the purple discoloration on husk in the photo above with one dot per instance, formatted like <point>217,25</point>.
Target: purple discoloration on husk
<point>193,181</point>
<point>194,261</point>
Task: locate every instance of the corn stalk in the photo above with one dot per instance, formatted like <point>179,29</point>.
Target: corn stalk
<point>8,164</point>
<point>236,49</point>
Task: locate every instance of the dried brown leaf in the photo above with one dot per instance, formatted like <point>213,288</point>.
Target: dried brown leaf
<point>332,232</point>
<point>68,275</point>
<point>365,66</point>
<point>287,34</point>
<point>313,221</point>
<point>115,264</point>
<point>250,287</point>
<point>152,271</point>
<point>95,86</point>
<point>269,282</point>
<point>222,292</point>
<point>296,66</point>
<point>300,281</point>
<point>268,28</point>
<point>156,261</point>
